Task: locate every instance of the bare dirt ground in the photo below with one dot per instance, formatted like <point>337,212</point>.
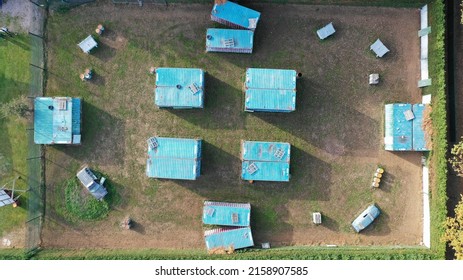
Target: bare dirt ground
<point>24,16</point>
<point>336,132</point>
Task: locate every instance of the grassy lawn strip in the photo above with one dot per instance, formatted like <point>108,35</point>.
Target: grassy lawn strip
<point>14,82</point>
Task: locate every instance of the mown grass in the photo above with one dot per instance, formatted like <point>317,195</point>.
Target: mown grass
<point>79,205</point>
<point>14,82</point>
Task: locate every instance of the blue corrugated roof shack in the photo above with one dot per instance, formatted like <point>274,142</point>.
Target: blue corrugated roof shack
<point>179,88</point>
<point>234,15</point>
<point>265,161</point>
<point>174,158</point>
<point>228,238</point>
<point>270,90</point>
<point>229,40</point>
<point>57,120</point>
<point>227,214</point>
<point>403,127</point>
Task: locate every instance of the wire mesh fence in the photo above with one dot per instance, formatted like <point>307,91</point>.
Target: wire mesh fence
<point>35,170</point>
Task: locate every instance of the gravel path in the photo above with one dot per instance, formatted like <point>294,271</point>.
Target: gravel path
<point>21,16</point>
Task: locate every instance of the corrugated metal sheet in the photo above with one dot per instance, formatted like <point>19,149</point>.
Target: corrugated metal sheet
<point>267,171</point>
<point>326,31</point>
<point>174,158</point>
<point>379,48</point>
<point>419,139</point>
<point>242,40</point>
<point>53,124</point>
<point>5,199</point>
<point>270,90</point>
<point>234,15</point>
<point>398,131</point>
<point>88,44</point>
<point>173,87</point>
<point>226,238</point>
<point>226,214</point>
<point>270,100</point>
<point>271,159</point>
<point>265,151</point>
<point>403,135</point>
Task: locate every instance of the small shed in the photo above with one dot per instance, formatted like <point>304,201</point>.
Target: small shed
<point>270,90</point>
<point>88,44</point>
<point>179,88</point>
<point>227,214</point>
<point>222,238</point>
<point>173,158</point>
<point>404,127</point>
<point>57,120</point>
<point>229,40</point>
<point>379,48</point>
<point>265,161</point>
<point>326,31</point>
<point>235,15</point>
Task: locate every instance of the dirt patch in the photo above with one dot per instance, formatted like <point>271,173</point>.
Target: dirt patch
<point>335,133</point>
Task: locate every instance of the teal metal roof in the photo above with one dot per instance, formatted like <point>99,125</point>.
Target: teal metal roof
<point>225,238</point>
<point>174,158</point>
<point>226,214</point>
<point>402,134</point>
<point>216,40</point>
<point>179,87</point>
<point>270,90</point>
<point>57,120</point>
<point>265,161</point>
<point>232,14</point>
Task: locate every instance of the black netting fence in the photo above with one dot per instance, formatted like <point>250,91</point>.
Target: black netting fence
<point>35,170</point>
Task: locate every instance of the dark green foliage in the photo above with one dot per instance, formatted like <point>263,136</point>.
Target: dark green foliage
<point>439,119</point>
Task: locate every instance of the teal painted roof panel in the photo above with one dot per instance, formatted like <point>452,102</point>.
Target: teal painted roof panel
<point>179,87</point>
<point>55,120</point>
<point>216,38</point>
<point>225,238</point>
<point>419,139</point>
<point>174,158</point>
<point>233,14</point>
<point>265,151</point>
<point>279,79</point>
<point>270,100</point>
<point>266,171</point>
<point>226,214</point>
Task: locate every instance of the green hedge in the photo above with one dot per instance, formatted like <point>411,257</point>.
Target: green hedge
<point>439,118</point>
<point>307,253</point>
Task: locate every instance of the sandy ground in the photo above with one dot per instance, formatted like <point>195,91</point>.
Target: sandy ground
<point>23,16</point>
<point>344,145</point>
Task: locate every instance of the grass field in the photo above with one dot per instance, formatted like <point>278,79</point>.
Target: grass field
<point>14,81</point>
<point>335,133</point>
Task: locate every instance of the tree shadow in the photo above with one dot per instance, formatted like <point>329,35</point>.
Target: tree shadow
<point>329,223</point>
<point>103,138</point>
<point>138,228</point>
<point>223,108</point>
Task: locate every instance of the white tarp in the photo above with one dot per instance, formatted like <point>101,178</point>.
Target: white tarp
<point>424,44</point>
<point>5,199</point>
<point>379,48</point>
<point>326,31</point>
<point>88,44</point>
<point>426,211</point>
